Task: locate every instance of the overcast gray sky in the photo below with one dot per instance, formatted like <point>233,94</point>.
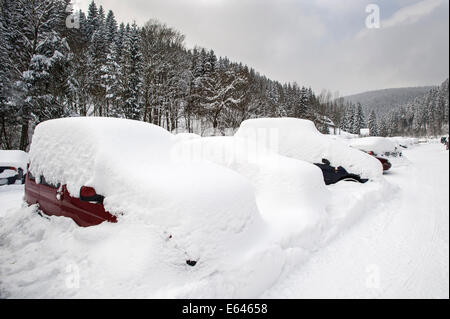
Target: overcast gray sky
<point>319,43</point>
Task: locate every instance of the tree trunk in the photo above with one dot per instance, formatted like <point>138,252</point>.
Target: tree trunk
<point>3,132</point>
<point>24,137</point>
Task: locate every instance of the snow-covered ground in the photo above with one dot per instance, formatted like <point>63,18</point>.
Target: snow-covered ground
<point>387,238</point>
<point>400,249</point>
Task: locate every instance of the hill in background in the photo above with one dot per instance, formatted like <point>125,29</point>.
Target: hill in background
<point>383,101</point>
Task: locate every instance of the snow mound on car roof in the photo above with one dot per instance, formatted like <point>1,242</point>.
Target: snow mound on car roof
<point>204,208</point>
<point>14,158</point>
<point>378,145</point>
<point>300,139</point>
<point>404,142</point>
<point>181,137</point>
<point>290,193</point>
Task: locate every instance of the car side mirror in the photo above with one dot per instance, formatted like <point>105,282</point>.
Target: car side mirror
<point>88,194</point>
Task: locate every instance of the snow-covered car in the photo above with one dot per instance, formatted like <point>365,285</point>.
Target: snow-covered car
<point>103,169</point>
<point>288,191</point>
<point>301,140</point>
<point>13,167</point>
<point>380,146</point>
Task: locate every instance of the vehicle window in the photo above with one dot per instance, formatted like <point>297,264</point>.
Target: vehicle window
<point>44,182</point>
<point>4,168</point>
<point>31,176</point>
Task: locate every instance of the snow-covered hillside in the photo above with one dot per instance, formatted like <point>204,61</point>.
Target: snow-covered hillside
<point>386,238</point>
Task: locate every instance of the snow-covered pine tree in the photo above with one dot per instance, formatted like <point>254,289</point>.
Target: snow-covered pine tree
<point>111,82</point>
<point>349,118</point>
<point>111,28</point>
<point>92,22</point>
<point>97,54</point>
<point>101,16</point>
<point>193,98</point>
<point>38,25</point>
<point>357,119</point>
<point>6,117</point>
<point>360,117</point>
<point>132,74</point>
<point>382,126</point>
<point>303,104</point>
<point>45,82</point>
<point>373,124</point>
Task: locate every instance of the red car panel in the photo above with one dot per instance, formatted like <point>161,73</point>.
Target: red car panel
<point>31,190</point>
<point>385,162</point>
<point>84,213</point>
<point>48,200</point>
<point>54,201</point>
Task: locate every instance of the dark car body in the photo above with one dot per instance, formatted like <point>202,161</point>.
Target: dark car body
<point>55,200</point>
<point>18,175</point>
<point>333,175</point>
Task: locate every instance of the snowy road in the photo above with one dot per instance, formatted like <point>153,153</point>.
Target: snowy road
<point>401,250</point>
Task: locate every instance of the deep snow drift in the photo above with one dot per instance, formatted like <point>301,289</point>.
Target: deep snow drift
<point>399,250</point>
<point>252,218</point>
<point>378,145</point>
<point>173,211</point>
<point>290,194</point>
<point>301,140</point>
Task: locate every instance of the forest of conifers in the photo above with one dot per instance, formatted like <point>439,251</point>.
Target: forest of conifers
<point>55,63</point>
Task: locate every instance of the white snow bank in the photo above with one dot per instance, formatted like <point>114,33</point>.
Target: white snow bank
<point>340,133</point>
<point>378,145</point>
<point>205,208</point>
<point>290,193</point>
<point>403,142</point>
<point>181,137</point>
<point>18,159</point>
<point>300,139</point>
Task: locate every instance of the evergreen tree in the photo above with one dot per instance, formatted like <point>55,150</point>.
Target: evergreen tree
<point>5,80</point>
<point>92,22</point>
<point>111,28</point>
<point>132,74</point>
<point>45,84</point>
<point>303,104</point>
<point>97,56</point>
<point>111,81</point>
<point>373,124</point>
<point>38,27</point>
<point>358,119</point>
